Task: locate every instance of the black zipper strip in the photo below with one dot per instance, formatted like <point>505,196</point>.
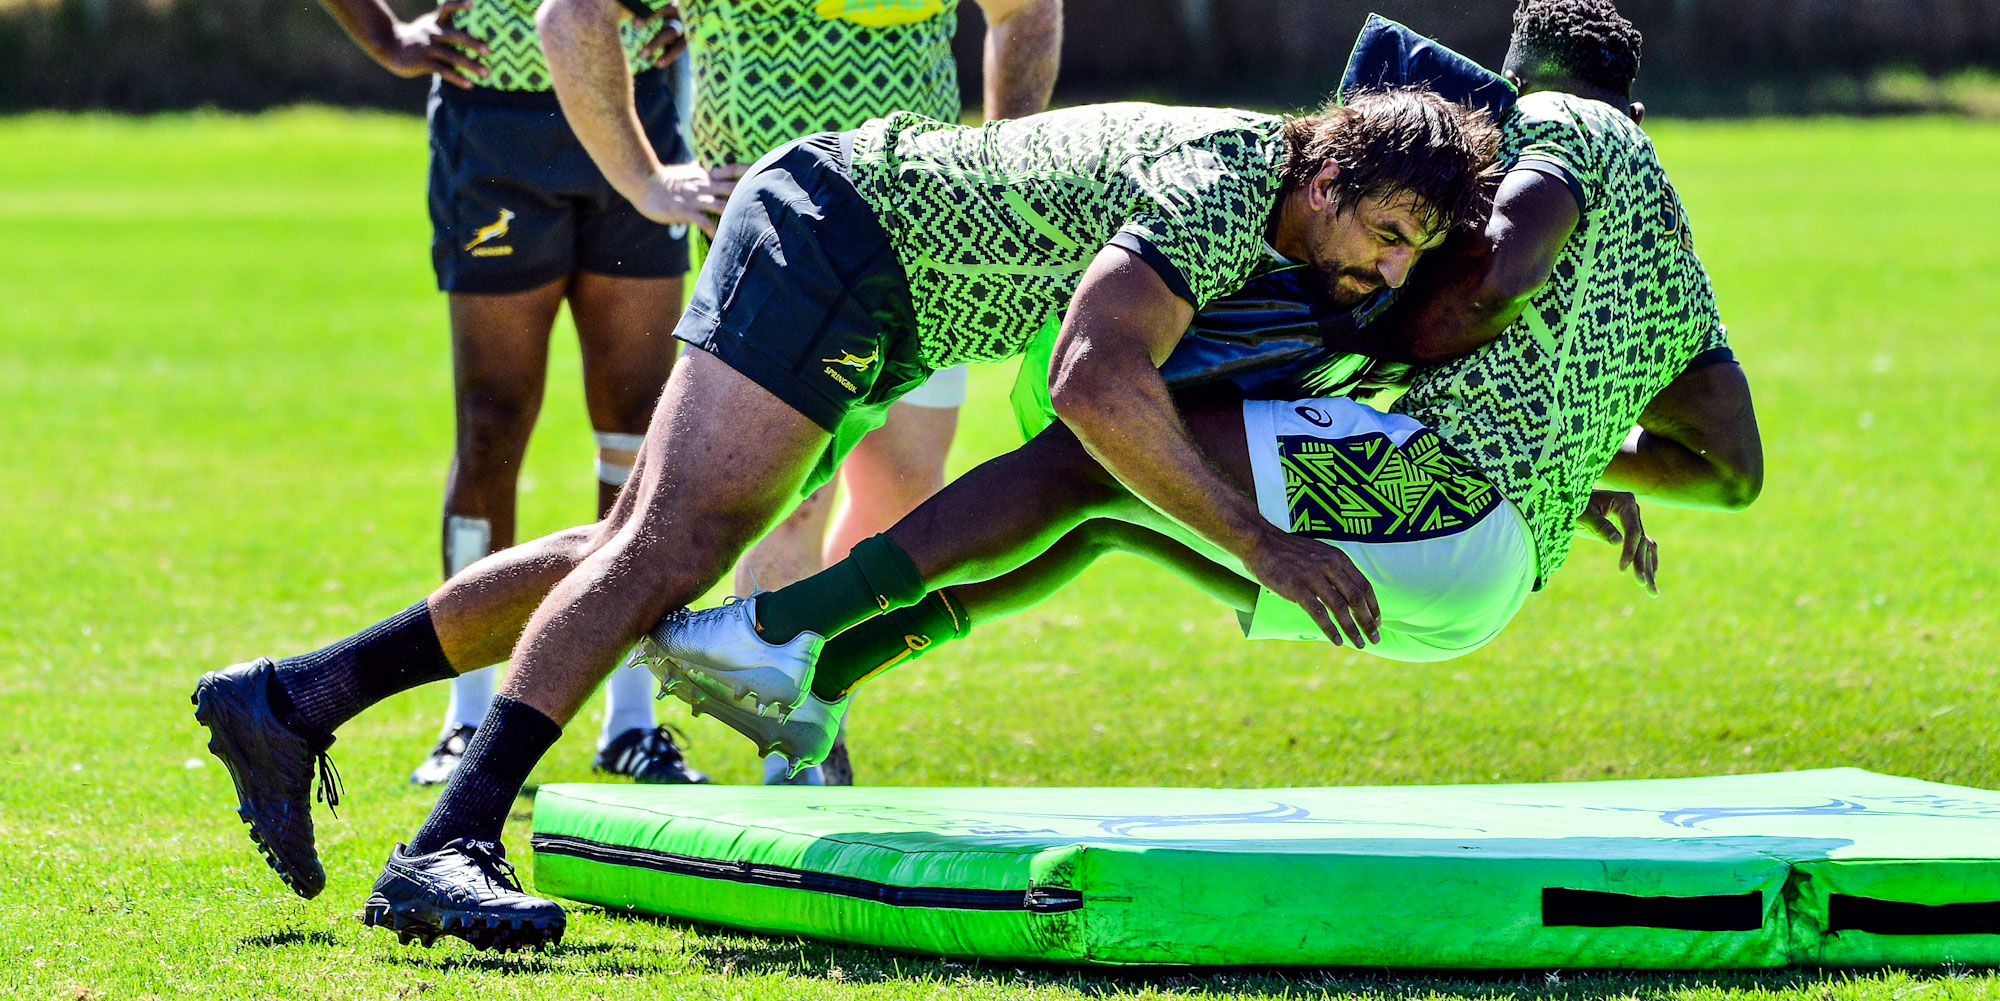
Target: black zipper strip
<point>1036,900</point>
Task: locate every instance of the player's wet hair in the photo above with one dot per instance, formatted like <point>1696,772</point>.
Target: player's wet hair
<point>1584,40</point>
<point>1389,141</point>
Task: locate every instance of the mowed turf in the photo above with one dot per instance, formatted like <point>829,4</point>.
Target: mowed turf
<point>224,424</point>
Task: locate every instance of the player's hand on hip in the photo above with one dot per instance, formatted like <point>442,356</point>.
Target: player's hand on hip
<point>1612,516</point>
<point>1322,580</point>
<point>429,44</point>
<point>669,42</point>
<point>685,194</point>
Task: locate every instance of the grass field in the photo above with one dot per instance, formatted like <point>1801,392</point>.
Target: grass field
<point>224,422</point>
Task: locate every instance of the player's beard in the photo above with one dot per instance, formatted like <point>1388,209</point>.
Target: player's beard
<point>1346,287</point>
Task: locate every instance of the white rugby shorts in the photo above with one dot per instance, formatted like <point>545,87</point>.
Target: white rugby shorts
<point>1450,559</point>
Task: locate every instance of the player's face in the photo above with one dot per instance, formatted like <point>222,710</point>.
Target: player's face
<point>1368,246</point>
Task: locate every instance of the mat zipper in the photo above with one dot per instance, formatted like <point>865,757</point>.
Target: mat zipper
<point>1036,900</point>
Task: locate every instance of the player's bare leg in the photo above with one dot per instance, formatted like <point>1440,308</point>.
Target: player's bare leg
<point>500,353</point>
<point>720,460</point>
<point>625,329</point>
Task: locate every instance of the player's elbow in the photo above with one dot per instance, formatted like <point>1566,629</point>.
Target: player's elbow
<point>1741,486</point>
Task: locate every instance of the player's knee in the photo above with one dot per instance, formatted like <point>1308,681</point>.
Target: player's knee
<point>495,427</point>
<point>616,453</point>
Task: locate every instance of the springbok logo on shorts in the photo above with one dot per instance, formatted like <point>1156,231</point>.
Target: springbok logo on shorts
<point>858,364</point>
<point>488,233</point>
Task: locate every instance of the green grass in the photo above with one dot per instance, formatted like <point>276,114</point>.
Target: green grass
<point>224,421</point>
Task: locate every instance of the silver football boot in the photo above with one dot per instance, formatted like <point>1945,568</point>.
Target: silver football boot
<point>722,645</point>
<point>804,736</point>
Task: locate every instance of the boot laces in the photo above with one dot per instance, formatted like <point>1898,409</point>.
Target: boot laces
<point>492,860</point>
<point>330,786</point>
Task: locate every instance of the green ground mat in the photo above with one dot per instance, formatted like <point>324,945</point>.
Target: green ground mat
<point>1830,867</point>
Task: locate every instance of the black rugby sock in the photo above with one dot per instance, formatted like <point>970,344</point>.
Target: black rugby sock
<point>876,577</point>
<point>316,692</point>
<point>883,642</point>
<point>512,737</point>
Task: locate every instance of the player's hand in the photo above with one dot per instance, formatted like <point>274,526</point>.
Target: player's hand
<point>687,194</point>
<point>429,44</point>
<point>1323,581</point>
<point>670,42</point>
<point>1638,551</point>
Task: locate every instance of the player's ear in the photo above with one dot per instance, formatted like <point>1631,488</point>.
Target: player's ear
<point>1637,111</point>
<point>1515,79</point>
<point>1320,193</point>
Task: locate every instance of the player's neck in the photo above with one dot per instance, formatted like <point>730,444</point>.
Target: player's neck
<point>1578,88</point>
<point>1286,232</point>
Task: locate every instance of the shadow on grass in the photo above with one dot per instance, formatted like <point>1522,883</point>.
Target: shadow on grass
<point>290,936</point>
<point>615,959</point>
<point>729,952</point>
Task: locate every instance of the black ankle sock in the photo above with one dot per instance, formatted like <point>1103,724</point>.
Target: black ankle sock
<point>876,577</point>
<point>318,691</point>
<point>886,641</point>
<point>512,737</point>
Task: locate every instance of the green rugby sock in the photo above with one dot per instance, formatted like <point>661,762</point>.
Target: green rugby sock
<point>876,577</point>
<point>886,641</point>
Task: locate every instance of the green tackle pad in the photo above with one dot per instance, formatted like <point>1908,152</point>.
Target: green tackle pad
<point>1835,867</point>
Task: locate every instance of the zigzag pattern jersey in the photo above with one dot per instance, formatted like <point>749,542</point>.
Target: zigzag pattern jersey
<point>508,26</point>
<point>1544,407</point>
<point>1368,489</point>
<point>769,71</point>
<point>994,225</point>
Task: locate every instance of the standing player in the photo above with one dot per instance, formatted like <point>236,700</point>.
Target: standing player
<point>767,72</point>
<point>522,221</point>
<point>1575,359</point>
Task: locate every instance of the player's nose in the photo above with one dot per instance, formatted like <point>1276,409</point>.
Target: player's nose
<point>1394,266</point>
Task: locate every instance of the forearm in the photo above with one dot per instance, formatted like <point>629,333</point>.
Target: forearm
<point>1023,51</point>
<point>1129,425</point>
<point>369,23</point>
<point>1659,470</point>
<point>594,85</point>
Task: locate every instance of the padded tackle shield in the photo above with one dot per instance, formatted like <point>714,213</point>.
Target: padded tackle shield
<point>1837,867</point>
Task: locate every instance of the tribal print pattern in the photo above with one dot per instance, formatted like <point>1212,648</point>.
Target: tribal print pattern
<point>1368,489</point>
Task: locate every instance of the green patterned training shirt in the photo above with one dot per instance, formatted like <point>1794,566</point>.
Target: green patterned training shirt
<point>995,224</point>
<point>1544,407</point>
<point>769,71</point>
<point>508,28</point>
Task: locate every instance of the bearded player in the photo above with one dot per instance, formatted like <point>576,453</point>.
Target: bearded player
<point>1573,358</point>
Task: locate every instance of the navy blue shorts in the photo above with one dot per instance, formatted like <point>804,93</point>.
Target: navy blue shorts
<point>801,291</point>
<point>516,201</point>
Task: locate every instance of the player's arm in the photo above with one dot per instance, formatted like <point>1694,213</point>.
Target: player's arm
<point>594,85</point>
<point>1104,382</point>
<point>427,44</point>
<point>1023,49</point>
<point>1480,282</point>
<point>1696,446</point>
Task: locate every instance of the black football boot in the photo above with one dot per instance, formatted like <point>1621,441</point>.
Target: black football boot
<point>272,767</point>
<point>467,890</point>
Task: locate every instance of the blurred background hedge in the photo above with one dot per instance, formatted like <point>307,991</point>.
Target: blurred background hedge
<point>1701,57</point>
